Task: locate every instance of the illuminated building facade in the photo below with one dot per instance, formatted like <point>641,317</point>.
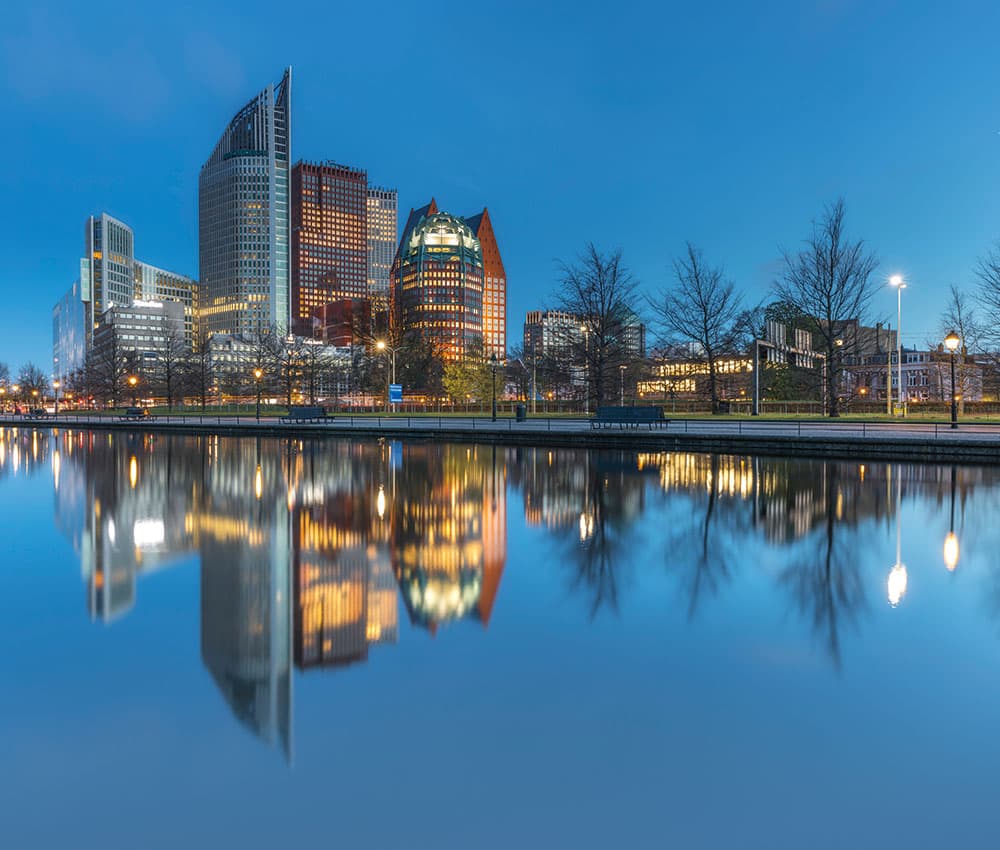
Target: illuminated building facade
<point>494,287</point>
<point>551,334</point>
<point>153,284</point>
<point>329,236</point>
<point>383,235</point>
<point>437,282</point>
<point>243,218</point>
<point>111,276</point>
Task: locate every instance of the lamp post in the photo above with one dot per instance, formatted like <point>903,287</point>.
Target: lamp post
<point>621,384</point>
<point>381,345</point>
<point>258,374</point>
<point>951,342</point>
<point>56,385</point>
<point>493,380</point>
<point>897,281</point>
<point>133,380</point>
<point>586,370</point>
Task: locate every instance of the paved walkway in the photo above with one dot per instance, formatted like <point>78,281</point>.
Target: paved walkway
<point>813,429</point>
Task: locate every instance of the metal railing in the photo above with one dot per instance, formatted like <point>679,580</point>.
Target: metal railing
<point>777,428</point>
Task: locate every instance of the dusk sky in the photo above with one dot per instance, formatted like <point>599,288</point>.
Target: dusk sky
<point>633,125</point>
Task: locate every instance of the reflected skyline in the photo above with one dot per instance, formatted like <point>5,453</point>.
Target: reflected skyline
<point>307,550</point>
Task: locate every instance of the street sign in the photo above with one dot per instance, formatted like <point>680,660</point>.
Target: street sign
<point>395,393</point>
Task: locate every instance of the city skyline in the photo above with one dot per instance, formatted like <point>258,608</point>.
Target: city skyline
<point>909,149</point>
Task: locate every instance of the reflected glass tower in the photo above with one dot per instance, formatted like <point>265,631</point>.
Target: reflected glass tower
<point>243,218</point>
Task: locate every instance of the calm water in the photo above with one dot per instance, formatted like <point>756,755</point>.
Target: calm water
<point>267,643</point>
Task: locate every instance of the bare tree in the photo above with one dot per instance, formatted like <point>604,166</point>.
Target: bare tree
<point>704,310</point>
<point>830,281</point>
<point>961,316</point>
<point>197,369</point>
<point>599,290</point>
<point>170,364</point>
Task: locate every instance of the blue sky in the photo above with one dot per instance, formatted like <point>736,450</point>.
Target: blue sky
<point>635,125</point>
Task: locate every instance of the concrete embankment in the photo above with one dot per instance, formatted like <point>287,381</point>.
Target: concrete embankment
<point>763,439</point>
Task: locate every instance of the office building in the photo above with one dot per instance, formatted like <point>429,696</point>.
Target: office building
<point>111,277</point>
<point>383,219</point>
<point>329,236</point>
<point>552,334</point>
<point>69,334</point>
<point>494,287</point>
<point>153,284</point>
<point>243,218</point>
<point>143,333</point>
<point>437,282</point>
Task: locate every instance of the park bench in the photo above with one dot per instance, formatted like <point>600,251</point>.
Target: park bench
<point>134,414</point>
<point>629,417</point>
<point>38,413</point>
<point>304,413</point>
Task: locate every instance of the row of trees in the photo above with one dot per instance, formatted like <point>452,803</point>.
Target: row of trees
<point>825,287</point>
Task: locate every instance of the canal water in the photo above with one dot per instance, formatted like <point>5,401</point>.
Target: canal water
<point>238,642</point>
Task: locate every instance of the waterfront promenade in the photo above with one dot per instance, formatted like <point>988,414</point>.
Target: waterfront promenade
<point>977,442</point>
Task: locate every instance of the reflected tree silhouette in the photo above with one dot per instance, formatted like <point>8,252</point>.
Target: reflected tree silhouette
<point>710,545</point>
<point>603,549</point>
<point>825,582</point>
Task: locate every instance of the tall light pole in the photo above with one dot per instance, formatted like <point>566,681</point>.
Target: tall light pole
<point>258,374</point>
<point>132,381</point>
<point>951,342</point>
<point>897,281</point>
<point>493,378</point>
<point>621,387</point>
<point>381,345</point>
<point>56,385</point>
<point>586,370</point>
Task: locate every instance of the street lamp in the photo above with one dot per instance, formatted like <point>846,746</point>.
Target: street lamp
<point>951,342</point>
<point>382,345</point>
<point>258,373</point>
<point>56,385</point>
<point>133,380</point>
<point>621,387</point>
<point>897,281</point>
<point>584,330</point>
<point>493,375</point>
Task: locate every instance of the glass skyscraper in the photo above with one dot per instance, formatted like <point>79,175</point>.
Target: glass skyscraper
<point>243,218</point>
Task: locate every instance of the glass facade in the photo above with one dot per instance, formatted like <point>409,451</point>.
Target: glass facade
<point>438,283</point>
<point>383,236</point>
<point>243,212</point>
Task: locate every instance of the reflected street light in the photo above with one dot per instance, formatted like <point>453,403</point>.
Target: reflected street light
<point>897,281</point>
<point>951,548</point>
<point>896,585</point>
<point>951,342</point>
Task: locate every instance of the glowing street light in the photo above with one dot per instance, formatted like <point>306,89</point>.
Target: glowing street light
<point>897,281</point>
<point>258,374</point>
<point>133,381</point>
<point>385,348</point>
<point>951,342</point>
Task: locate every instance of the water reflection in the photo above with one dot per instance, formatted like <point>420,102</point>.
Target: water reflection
<point>307,548</point>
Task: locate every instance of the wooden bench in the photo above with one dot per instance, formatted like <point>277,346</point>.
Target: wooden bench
<point>38,413</point>
<point>304,413</point>
<point>629,417</point>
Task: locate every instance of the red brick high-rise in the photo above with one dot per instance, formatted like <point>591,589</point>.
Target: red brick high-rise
<point>329,239</point>
<point>494,287</point>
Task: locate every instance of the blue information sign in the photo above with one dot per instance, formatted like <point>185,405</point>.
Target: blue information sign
<point>395,393</point>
